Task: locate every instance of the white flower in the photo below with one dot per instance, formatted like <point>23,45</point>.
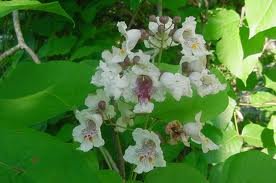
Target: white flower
<point>132,36</point>
<point>193,129</point>
<point>190,64</point>
<point>116,56</point>
<point>160,40</point>
<point>100,102</point>
<point>108,76</point>
<point>177,84</point>
<point>194,46</point>
<point>146,153</point>
<point>186,31</point>
<point>88,133</point>
<point>206,83</point>
<point>126,118</point>
<point>144,84</point>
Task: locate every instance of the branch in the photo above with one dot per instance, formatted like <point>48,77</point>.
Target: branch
<point>120,159</point>
<point>21,42</point>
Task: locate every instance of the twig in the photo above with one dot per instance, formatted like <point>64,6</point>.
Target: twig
<point>121,162</point>
<point>21,42</point>
<point>9,52</point>
<point>160,7</point>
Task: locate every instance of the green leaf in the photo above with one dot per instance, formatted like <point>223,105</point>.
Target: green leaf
<point>65,133</point>
<point>108,176</point>
<point>82,52</point>
<point>247,167</point>
<point>30,156</point>
<point>174,5</point>
<point>260,15</point>
<point>229,141</point>
<point>168,67</point>
<point>177,172</point>
<point>198,161</point>
<point>7,7</point>
<point>229,49</point>
<point>34,93</point>
<point>223,119</point>
<point>57,46</point>
<point>270,78</point>
<point>258,136</point>
<point>263,100</point>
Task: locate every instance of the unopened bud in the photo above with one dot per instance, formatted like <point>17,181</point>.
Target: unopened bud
<point>136,59</point>
<point>152,18</point>
<point>164,19</point>
<point>161,28</point>
<point>102,105</point>
<point>176,19</point>
<point>172,32</point>
<point>144,34</point>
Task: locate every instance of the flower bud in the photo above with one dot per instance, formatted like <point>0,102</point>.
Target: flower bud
<point>161,28</point>
<point>102,105</point>
<point>144,34</point>
<point>176,19</point>
<point>172,32</point>
<point>136,59</point>
<point>164,19</point>
<point>152,18</point>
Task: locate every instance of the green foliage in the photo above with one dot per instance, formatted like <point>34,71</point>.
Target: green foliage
<point>177,172</point>
<point>229,48</point>
<point>7,7</point>
<point>251,166</point>
<point>258,136</point>
<point>37,157</point>
<point>34,93</point>
<point>260,15</point>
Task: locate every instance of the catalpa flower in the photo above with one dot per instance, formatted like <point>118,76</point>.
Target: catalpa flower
<point>132,36</point>
<point>160,29</point>
<point>108,76</point>
<point>189,64</point>
<point>193,130</point>
<point>126,118</point>
<point>194,46</point>
<point>144,84</point>
<point>100,103</point>
<point>177,84</point>
<point>206,83</point>
<point>176,131</point>
<point>146,153</point>
<point>88,133</point>
<point>186,31</point>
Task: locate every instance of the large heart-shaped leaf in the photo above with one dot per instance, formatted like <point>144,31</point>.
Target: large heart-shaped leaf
<point>229,49</point>
<point>246,167</point>
<point>34,93</point>
<point>28,156</point>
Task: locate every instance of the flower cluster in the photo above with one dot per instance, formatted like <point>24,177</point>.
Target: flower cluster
<point>130,82</point>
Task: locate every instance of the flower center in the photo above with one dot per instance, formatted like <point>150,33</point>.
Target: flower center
<point>144,88</point>
<point>90,131</point>
<point>206,80</point>
<point>148,151</point>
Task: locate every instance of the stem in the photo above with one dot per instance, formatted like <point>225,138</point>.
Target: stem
<point>236,123</point>
<point>110,162</point>
<point>121,162</point>
<point>242,16</point>
<point>105,158</point>
<point>159,7</point>
<point>161,50</point>
<point>21,42</point>
<point>134,177</point>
